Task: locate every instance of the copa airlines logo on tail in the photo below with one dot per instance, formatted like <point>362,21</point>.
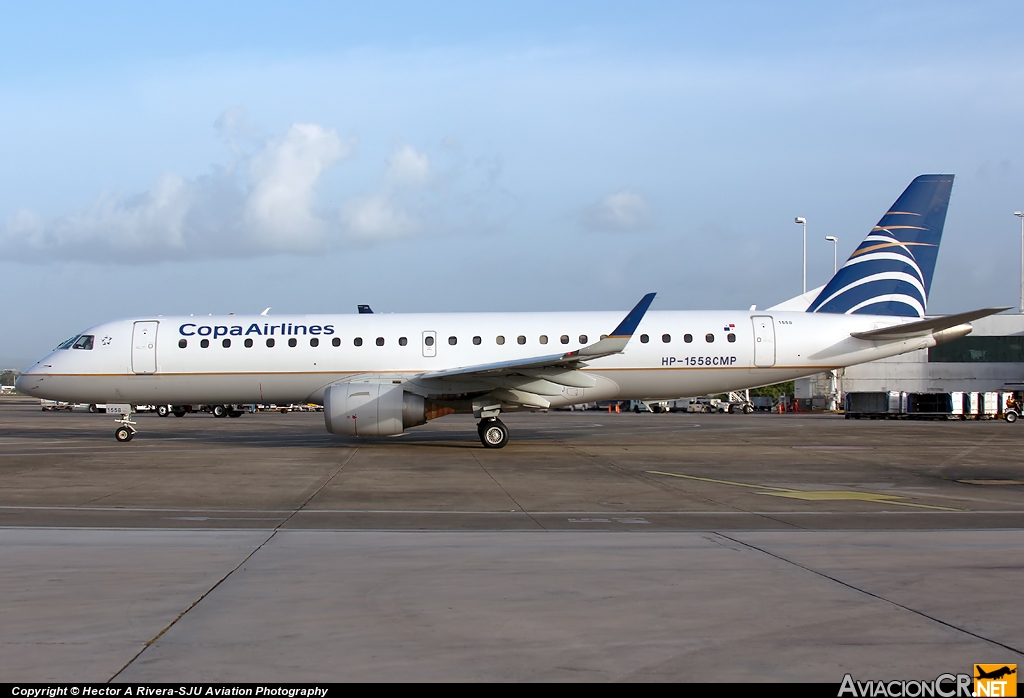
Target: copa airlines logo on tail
<point>285,329</point>
<point>890,273</point>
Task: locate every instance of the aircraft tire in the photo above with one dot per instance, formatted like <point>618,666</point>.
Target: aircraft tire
<point>493,433</point>
<point>123,434</point>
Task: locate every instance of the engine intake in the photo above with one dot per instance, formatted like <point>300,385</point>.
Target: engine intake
<point>373,409</point>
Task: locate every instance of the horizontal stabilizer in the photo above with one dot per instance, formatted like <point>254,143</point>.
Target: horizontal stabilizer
<point>923,328</point>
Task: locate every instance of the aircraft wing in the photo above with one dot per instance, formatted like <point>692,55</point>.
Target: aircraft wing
<point>545,375</point>
<point>922,328</point>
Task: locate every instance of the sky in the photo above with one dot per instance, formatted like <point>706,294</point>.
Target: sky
<point>195,157</point>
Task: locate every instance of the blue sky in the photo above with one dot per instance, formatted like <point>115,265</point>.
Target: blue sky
<point>225,157</point>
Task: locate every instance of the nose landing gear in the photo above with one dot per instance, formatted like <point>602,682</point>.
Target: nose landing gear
<point>493,433</point>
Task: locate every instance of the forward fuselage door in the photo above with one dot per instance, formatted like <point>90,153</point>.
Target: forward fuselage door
<point>764,341</point>
<point>430,343</point>
<point>144,346</point>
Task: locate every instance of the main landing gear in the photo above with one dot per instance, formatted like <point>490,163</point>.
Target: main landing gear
<point>493,433</point>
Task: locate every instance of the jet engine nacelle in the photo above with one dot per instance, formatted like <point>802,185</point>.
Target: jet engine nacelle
<point>371,409</point>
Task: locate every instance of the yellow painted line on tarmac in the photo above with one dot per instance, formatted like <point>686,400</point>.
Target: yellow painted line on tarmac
<point>812,495</point>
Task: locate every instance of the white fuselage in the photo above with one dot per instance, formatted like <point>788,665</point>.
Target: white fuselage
<point>140,360</point>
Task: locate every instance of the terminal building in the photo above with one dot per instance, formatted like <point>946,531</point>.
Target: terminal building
<point>991,358</point>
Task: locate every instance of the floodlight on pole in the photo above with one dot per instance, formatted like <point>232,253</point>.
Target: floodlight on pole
<point>835,252</point>
<point>1020,214</point>
<point>800,220</point>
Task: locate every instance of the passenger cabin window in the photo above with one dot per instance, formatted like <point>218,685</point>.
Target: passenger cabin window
<point>204,343</point>
<point>666,338</point>
<point>336,342</point>
<point>402,341</point>
<point>564,339</point>
<point>453,340</point>
<point>477,340</point>
<point>380,341</point>
<point>83,342</point>
<point>521,339</point>
<point>225,342</point>
<point>248,343</point>
<point>293,342</point>
<point>731,337</point>
<point>644,339</point>
<point>270,341</point>
<point>314,342</point>
<point>687,338</point>
<point>358,341</point>
<point>182,343</point>
<point>709,338</point>
<point>543,339</point>
<point>583,339</point>
<point>500,339</point>
<point>428,340</point>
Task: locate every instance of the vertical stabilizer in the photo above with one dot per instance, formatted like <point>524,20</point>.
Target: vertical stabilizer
<point>890,273</point>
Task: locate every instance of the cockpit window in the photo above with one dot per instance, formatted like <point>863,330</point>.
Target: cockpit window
<point>83,342</point>
<point>68,343</point>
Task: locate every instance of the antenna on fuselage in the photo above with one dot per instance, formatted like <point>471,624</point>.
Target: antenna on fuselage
<point>364,309</point>
<point>266,311</point>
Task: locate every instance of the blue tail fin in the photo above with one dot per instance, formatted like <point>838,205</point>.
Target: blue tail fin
<point>891,272</point>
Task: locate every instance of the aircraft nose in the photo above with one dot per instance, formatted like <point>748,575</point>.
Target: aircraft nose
<point>29,380</point>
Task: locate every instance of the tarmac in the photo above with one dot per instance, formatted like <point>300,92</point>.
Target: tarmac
<point>594,547</point>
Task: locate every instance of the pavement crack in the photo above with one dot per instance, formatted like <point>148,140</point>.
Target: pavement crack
<point>236,567</point>
<point>507,493</point>
<point>873,595</point>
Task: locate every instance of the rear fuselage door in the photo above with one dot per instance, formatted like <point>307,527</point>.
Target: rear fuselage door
<point>144,346</point>
<point>764,340</point>
<point>430,343</point>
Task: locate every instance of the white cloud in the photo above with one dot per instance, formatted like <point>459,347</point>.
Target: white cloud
<point>278,210</point>
<point>408,166</point>
<point>266,200</point>
<point>261,204</point>
<point>624,211</point>
<point>376,217</point>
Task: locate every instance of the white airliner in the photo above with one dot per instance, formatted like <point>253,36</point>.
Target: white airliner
<point>378,375</point>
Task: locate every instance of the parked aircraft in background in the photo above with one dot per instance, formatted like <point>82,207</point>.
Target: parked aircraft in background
<point>379,374</point>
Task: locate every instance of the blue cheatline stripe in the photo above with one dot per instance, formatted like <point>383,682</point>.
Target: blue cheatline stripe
<point>629,324</point>
<point>905,242</point>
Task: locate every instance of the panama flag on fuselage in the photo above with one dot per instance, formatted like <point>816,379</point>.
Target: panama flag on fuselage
<point>890,273</point>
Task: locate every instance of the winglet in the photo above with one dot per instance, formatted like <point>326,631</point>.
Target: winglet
<point>620,336</point>
<point>629,324</point>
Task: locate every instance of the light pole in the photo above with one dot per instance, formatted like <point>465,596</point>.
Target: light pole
<point>1020,214</point>
<point>800,220</point>
<point>835,258</point>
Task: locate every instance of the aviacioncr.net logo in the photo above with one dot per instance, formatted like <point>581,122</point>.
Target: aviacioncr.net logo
<point>943,686</point>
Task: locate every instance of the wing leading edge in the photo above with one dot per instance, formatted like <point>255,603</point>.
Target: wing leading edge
<point>524,381</point>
